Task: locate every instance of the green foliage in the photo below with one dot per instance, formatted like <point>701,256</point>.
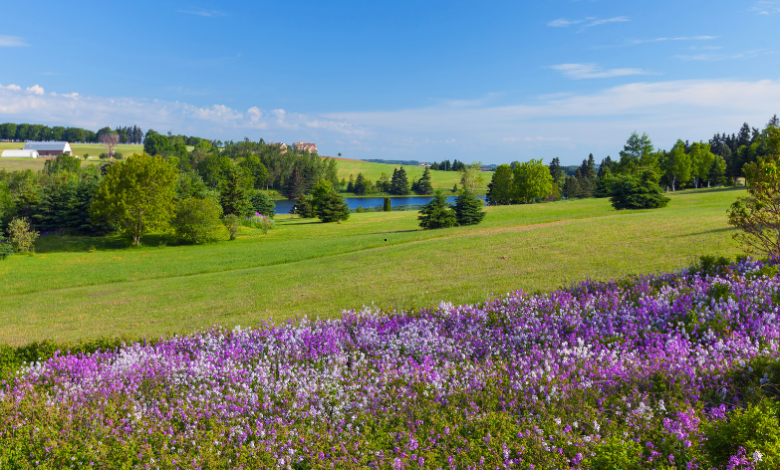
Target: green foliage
<point>304,206</point>
<point>755,429</point>
<point>399,183</point>
<point>64,163</point>
<point>319,193</point>
<point>256,169</point>
<point>501,187</point>
<point>386,205</point>
<point>6,250</point>
<point>190,185</point>
<point>468,208</point>
<point>615,454</point>
<point>262,204</point>
<point>22,235</point>
<point>157,144</point>
<point>677,165</point>
<point>709,265</point>
<point>233,194</point>
<point>214,169</point>
<point>332,208</point>
<point>631,192</point>
<point>471,178</point>
<point>137,196</point>
<point>197,220</point>
<point>532,181</point>
<point>232,223</point>
<point>424,185</point>
<point>437,213</point>
<point>637,156</point>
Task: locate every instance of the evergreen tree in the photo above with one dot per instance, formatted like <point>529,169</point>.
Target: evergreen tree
<point>262,204</point>
<point>468,208</point>
<point>601,188</point>
<point>637,192</point>
<point>332,208</point>
<point>399,184</point>
<point>350,185</point>
<point>434,166</point>
<point>571,187</point>
<point>233,195</point>
<point>304,206</point>
<point>386,206</point>
<point>424,186</point>
<point>717,174</point>
<point>555,170</point>
<point>296,185</point>
<point>360,185</point>
<point>437,213</point>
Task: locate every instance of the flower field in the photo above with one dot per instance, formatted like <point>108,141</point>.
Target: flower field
<point>673,371</point>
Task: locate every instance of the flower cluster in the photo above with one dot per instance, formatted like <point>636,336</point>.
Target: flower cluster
<point>553,380</point>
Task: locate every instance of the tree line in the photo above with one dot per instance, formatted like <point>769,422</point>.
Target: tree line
<point>721,161</point>
<point>42,133</point>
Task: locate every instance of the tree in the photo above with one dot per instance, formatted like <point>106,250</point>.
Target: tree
<point>701,162</point>
<point>21,234</point>
<point>637,192</point>
<point>304,207</point>
<point>758,216</point>
<point>262,204</point>
<point>319,193</point>
<point>386,206</point>
<point>571,187</point>
<point>137,196</point>
<point>636,155</point>
<point>399,184</point>
<point>62,162</point>
<point>213,169</point>
<point>157,144</point>
<point>601,189</point>
<point>255,168</point>
<point>500,189</point>
<point>110,139</point>
<point>232,223</point>
<point>233,194</point>
<point>717,174</point>
<point>197,220</point>
<point>471,176</point>
<point>556,171</point>
<point>359,187</point>
<point>468,208</point>
<point>424,186</point>
<point>332,208</point>
<point>437,213</point>
<point>532,181</point>
<point>677,164</point>
<point>296,186</point>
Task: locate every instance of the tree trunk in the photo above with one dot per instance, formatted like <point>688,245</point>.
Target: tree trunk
<point>674,179</point>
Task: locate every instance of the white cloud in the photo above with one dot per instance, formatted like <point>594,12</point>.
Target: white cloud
<point>718,57</point>
<point>765,7</point>
<point>690,38</point>
<point>12,41</point>
<point>12,87</point>
<point>35,89</point>
<point>580,71</point>
<point>586,22</point>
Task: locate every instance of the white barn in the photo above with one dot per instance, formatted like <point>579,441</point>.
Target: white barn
<point>19,154</point>
<point>49,149</point>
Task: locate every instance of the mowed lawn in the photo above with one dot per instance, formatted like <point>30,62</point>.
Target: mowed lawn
<point>373,171</point>
<point>304,267</point>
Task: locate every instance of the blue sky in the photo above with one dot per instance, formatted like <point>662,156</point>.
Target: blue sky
<point>486,80</point>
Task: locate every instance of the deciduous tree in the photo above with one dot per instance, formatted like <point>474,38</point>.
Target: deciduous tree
<point>532,181</point>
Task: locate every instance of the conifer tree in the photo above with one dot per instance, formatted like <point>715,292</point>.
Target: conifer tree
<point>424,186</point>
<point>601,189</point>
<point>468,208</point>
<point>350,185</point>
<point>399,185</point>
<point>262,204</point>
<point>296,185</point>
<point>360,185</point>
<point>233,195</point>
<point>437,213</point>
<point>386,206</point>
<point>332,208</point>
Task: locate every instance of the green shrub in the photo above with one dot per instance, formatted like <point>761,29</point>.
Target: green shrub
<point>6,250</point>
<point>387,205</point>
<point>22,234</point>
<point>262,204</point>
<point>333,208</point>
<point>756,429</point>
<point>615,454</point>
<point>631,192</point>
<point>232,222</point>
<point>197,220</point>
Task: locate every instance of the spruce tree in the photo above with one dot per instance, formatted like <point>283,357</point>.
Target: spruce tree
<point>468,208</point>
<point>233,194</point>
<point>399,185</point>
<point>601,189</point>
<point>637,192</point>
<point>360,185</point>
<point>332,208</point>
<point>350,185</point>
<point>424,186</point>
<point>262,204</point>
<point>296,185</point>
<point>437,213</point>
<point>386,207</point>
<point>555,170</point>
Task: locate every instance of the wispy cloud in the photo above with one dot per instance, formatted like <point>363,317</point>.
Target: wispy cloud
<point>203,12</point>
<point>12,41</point>
<point>719,57</point>
<point>765,7</point>
<point>581,71</point>
<point>689,38</point>
<point>587,22</point>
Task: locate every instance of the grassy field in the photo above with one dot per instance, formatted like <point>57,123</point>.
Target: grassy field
<point>303,267</point>
<point>372,171</point>
<point>34,164</point>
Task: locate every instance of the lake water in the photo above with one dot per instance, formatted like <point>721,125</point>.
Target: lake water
<point>284,207</point>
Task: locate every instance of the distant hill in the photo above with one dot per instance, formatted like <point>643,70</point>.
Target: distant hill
<point>392,162</point>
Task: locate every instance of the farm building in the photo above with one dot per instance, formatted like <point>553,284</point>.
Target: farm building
<point>19,154</point>
<point>49,149</point>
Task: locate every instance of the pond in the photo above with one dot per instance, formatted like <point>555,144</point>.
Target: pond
<point>408,202</point>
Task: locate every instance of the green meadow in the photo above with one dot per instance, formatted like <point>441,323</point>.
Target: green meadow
<point>79,288</point>
<point>373,171</point>
<point>36,164</point>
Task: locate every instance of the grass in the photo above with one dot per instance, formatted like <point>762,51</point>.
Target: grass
<point>36,164</point>
<point>67,293</point>
<point>373,171</point>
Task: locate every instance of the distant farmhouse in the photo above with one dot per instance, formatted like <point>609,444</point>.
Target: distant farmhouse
<point>49,149</point>
<point>282,147</point>
<point>19,154</point>
<point>305,147</point>
<point>425,164</point>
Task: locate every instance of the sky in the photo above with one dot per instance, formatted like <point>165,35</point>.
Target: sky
<point>490,80</point>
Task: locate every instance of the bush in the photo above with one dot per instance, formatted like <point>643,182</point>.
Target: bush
<point>22,234</point>
<point>104,156</point>
<point>468,208</point>
<point>631,192</point>
<point>753,431</point>
<point>197,220</point>
<point>386,206</point>
<point>615,454</point>
<point>259,221</point>
<point>6,250</point>
<point>333,208</point>
<point>118,155</point>
<point>232,222</point>
<point>437,213</point>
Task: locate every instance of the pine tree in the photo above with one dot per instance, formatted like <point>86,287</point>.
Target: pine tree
<point>360,185</point>
<point>424,186</point>
<point>571,187</point>
<point>350,185</point>
<point>386,206</point>
<point>262,204</point>
<point>333,208</point>
<point>468,209</point>
<point>555,170</point>
<point>399,184</point>
<point>601,189</point>
<point>437,213</point>
<point>233,195</point>
<point>296,185</point>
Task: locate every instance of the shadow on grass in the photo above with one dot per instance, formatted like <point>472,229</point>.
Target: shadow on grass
<point>83,244</point>
<point>726,229</point>
<point>721,189</point>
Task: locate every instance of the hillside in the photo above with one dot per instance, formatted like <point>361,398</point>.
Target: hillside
<point>67,293</point>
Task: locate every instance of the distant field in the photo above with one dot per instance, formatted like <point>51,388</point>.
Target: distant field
<point>372,171</point>
<point>303,267</point>
<point>80,150</point>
